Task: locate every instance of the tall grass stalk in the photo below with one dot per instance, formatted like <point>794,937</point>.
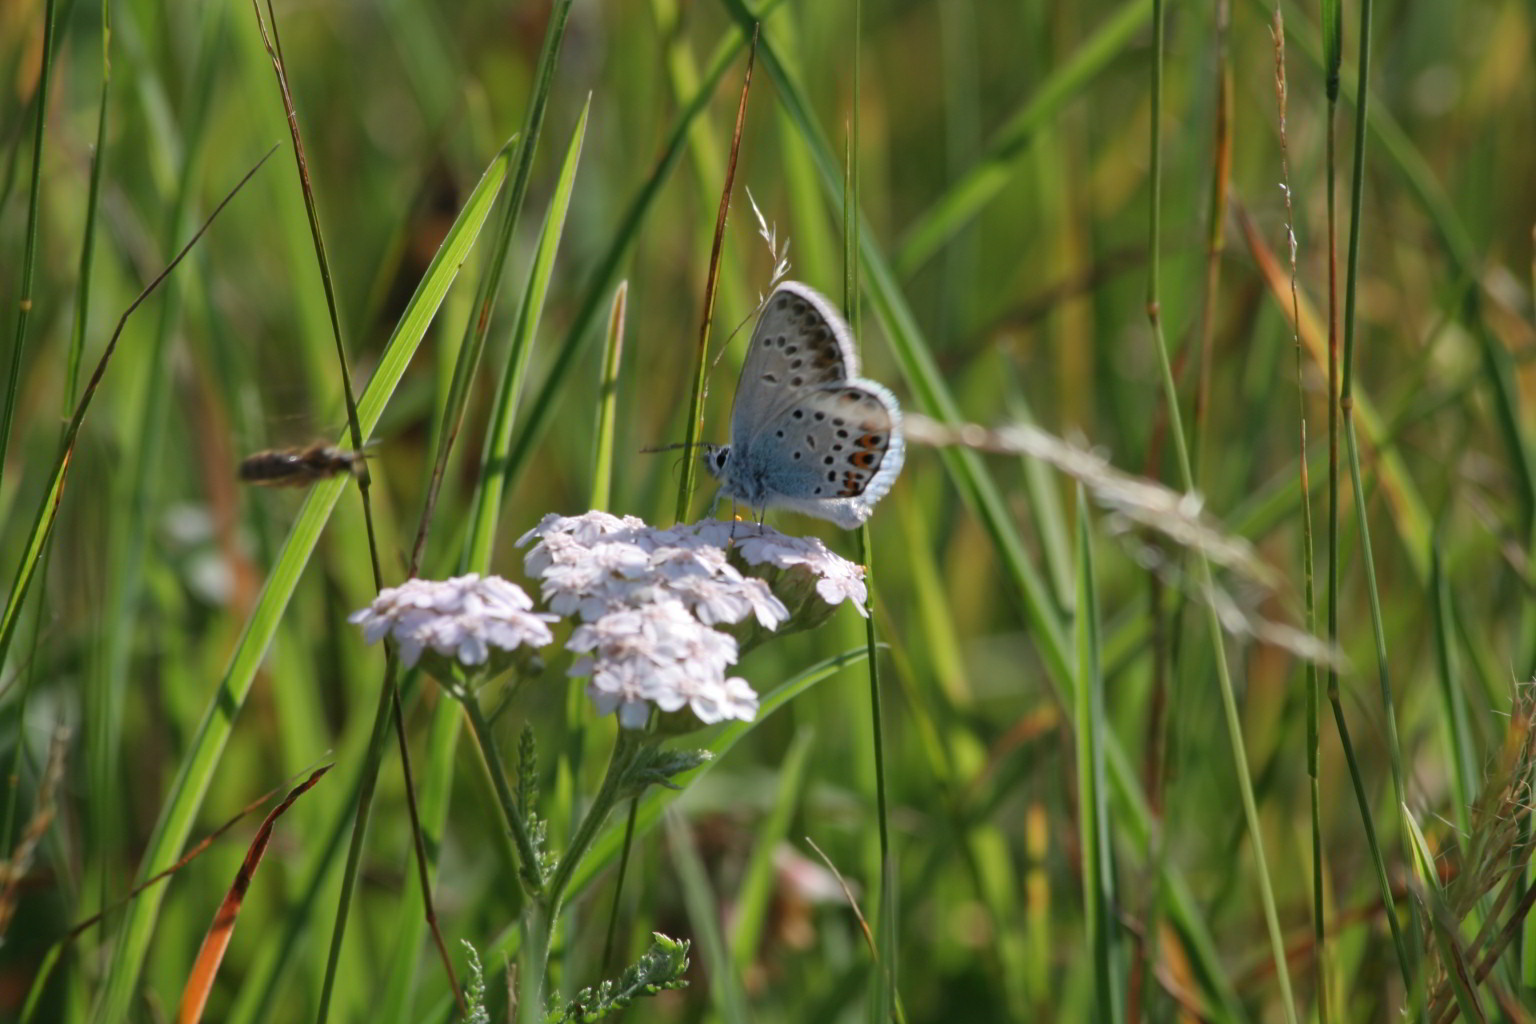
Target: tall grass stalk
<point>1215,237</point>
<point>602,499</point>
<point>695,422</point>
<point>1340,417</point>
<point>1203,579</point>
<point>1099,897</point>
<point>1308,552</point>
<point>92,207</point>
<point>29,254</point>
<point>886,945</point>
<point>605,273</point>
<point>1346,398</point>
<point>498,470</point>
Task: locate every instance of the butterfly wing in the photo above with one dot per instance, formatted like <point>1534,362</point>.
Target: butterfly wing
<point>832,453</point>
<point>800,343</point>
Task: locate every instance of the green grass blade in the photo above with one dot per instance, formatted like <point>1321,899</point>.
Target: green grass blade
<point>92,206</point>
<point>704,917</point>
<point>29,253</point>
<point>608,402</point>
<point>1092,796</point>
<point>410,925</point>
<point>203,755</point>
<point>758,881</point>
<point>489,288</point>
<point>495,476</point>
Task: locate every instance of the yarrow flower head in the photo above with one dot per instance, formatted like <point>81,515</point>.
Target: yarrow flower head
<point>663,613</point>
<point>472,620</point>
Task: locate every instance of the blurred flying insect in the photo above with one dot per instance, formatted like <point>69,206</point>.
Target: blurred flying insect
<point>300,467</point>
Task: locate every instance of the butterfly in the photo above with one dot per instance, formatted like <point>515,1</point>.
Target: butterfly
<point>807,433</point>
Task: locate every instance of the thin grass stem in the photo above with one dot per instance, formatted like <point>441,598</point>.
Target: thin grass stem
<point>706,320</point>
<point>886,949</point>
<point>1202,563</point>
<point>1308,553</point>
<point>24,297</point>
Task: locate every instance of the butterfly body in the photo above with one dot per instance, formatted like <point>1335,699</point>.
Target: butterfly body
<point>807,433</point>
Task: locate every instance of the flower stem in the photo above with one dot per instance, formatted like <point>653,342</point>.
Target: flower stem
<point>531,876</point>
<point>624,751</point>
<point>539,925</point>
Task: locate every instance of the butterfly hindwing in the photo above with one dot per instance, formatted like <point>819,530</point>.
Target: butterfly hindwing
<point>833,452</point>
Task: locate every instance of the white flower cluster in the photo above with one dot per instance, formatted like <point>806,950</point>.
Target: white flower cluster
<point>463,618</point>
<point>648,601</point>
<point>837,579</point>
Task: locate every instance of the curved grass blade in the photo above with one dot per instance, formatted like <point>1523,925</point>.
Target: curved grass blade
<point>207,745</point>
<point>194,996</point>
<point>48,507</point>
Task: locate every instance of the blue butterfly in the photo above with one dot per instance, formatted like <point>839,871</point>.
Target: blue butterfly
<point>807,433</point>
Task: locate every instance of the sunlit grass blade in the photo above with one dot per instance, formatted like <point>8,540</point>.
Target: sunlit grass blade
<point>608,401</point>
<point>203,755</point>
<point>495,475</point>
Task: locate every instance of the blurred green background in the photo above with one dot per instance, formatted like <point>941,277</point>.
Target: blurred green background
<point>1004,179</point>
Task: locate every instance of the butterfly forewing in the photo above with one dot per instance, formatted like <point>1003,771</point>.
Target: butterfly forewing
<point>800,343</point>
